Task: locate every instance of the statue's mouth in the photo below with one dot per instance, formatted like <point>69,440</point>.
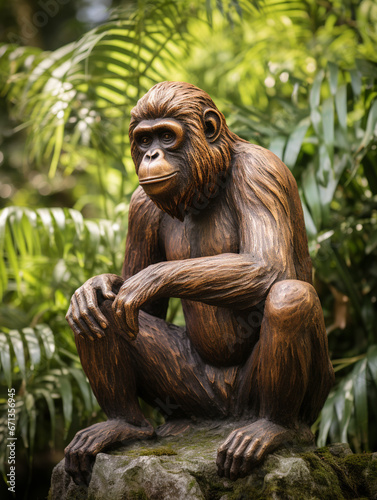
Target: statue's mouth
<point>162,178</point>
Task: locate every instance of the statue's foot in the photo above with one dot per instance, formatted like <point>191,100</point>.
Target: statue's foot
<point>80,454</point>
<point>248,446</point>
<point>173,428</point>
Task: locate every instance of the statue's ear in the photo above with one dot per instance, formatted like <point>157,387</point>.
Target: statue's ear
<point>212,124</point>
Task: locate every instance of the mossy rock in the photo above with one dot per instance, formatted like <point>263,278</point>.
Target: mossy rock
<point>183,467</point>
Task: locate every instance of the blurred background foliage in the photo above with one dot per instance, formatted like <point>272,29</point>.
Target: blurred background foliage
<point>296,76</point>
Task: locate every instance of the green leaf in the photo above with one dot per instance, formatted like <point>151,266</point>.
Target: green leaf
<point>356,82</point>
<point>277,146</point>
<point>66,394</point>
<point>316,119</point>
<point>367,67</point>
<point>328,123</point>
<point>13,259</point>
<point>309,223</point>
<point>84,387</point>
<point>28,231</point>
<point>46,218</point>
<point>370,170</point>
<point>18,347</point>
<point>209,12</point>
<point>343,403</point>
<point>326,420</point>
<point>333,69</point>
<point>372,362</point>
<point>294,143</point>
<point>348,281</point>
<point>315,92</point>
<point>341,106</point>
<point>361,404</point>
<point>5,358</point>
<point>371,126</point>
<point>51,408</point>
<point>3,225</point>
<point>78,221</point>
<point>33,346</point>
<point>324,171</point>
<point>3,277</point>
<point>311,193</point>
<point>32,419</point>
<point>59,216</point>
<point>23,425</point>
<point>47,337</point>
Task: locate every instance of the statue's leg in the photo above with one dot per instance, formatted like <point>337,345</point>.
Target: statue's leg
<point>286,380</point>
<point>161,366</point>
<point>107,362</point>
<point>173,377</point>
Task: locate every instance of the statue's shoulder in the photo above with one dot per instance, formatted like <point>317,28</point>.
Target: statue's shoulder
<point>142,209</point>
<point>261,165</point>
<point>255,154</point>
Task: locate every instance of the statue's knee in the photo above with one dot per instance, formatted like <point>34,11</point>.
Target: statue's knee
<point>291,297</point>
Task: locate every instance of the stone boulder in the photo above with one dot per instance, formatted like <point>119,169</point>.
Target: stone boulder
<point>183,467</point>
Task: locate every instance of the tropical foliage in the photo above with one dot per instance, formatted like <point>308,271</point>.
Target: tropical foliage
<point>298,77</point>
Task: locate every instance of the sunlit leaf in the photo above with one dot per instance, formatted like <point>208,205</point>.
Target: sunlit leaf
<point>333,69</point>
<point>341,105</point>
<point>47,338</point>
<point>18,347</point>
<point>371,125</point>
<point>315,92</point>
<point>33,345</point>
<point>5,359</point>
<point>294,143</point>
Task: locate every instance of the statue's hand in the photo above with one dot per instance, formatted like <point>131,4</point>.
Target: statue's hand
<point>133,294</point>
<point>84,315</point>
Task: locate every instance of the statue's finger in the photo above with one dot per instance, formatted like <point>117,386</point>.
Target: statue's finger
<point>238,458</point>
<point>228,463</point>
<point>77,324</point>
<point>249,460</point>
<point>118,311</point>
<point>87,460</point>
<point>221,456</point>
<point>86,315</point>
<point>106,288</point>
<point>92,305</point>
<point>72,460</point>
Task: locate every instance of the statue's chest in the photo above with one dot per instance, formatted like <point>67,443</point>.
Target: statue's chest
<point>204,234</point>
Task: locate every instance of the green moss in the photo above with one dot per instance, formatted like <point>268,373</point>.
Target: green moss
<point>322,467</point>
<point>144,451</point>
<point>355,473</point>
<point>357,464</point>
<point>158,452</point>
<point>211,487</point>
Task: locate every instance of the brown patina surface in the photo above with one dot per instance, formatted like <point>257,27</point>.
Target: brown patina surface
<point>218,223</point>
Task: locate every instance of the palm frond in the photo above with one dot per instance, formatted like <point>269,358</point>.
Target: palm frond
<point>34,364</point>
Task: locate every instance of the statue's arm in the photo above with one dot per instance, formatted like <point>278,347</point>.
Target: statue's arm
<point>225,280</point>
<point>84,314</point>
<point>142,245</point>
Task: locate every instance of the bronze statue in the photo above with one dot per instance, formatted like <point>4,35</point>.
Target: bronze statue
<point>217,222</point>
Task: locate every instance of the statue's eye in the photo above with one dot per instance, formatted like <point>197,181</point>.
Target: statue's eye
<point>168,137</point>
<point>145,140</point>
